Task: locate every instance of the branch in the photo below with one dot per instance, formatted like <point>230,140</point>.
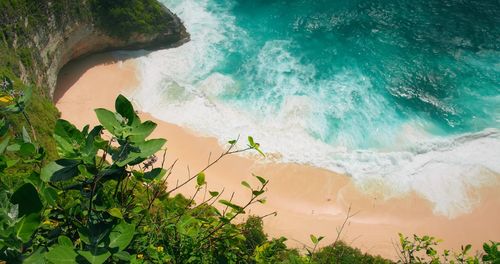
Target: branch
<point>339,231</point>
<point>229,151</point>
<point>158,191</point>
<point>250,202</point>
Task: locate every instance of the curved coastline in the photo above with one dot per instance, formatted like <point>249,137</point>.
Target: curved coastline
<point>308,200</point>
<point>58,43</point>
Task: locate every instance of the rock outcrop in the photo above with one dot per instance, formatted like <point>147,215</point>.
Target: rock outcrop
<point>69,36</point>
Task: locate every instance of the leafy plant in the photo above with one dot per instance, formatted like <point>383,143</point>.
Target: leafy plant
<point>492,254</point>
<point>341,252</point>
<point>20,207</point>
<point>124,17</point>
<point>14,101</point>
<point>98,202</point>
<point>107,200</point>
<point>315,240</point>
<point>423,250</point>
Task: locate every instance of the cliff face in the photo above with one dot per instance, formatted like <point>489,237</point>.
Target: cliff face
<point>56,44</point>
<point>38,37</point>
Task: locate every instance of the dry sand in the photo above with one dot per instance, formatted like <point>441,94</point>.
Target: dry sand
<point>308,200</point>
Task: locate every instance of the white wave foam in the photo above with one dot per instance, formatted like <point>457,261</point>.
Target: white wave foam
<point>181,86</point>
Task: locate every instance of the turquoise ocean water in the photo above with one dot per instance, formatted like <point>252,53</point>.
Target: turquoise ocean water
<point>404,94</point>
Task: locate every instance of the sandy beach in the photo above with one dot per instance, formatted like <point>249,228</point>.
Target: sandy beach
<point>307,200</point>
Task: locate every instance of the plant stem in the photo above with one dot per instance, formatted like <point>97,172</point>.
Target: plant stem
<point>29,123</point>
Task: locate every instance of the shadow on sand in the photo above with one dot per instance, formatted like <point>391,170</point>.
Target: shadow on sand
<point>75,69</point>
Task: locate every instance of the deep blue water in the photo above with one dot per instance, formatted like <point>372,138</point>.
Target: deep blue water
<point>370,65</point>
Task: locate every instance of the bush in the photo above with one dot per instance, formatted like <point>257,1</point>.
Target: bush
<point>421,250</point>
<point>343,253</point>
<point>122,18</point>
<point>253,231</point>
<point>106,200</point>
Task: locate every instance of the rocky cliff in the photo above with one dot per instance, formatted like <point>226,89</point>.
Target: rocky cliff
<point>63,30</point>
<point>38,37</point>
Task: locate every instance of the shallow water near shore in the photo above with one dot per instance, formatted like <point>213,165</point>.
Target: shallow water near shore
<point>402,96</point>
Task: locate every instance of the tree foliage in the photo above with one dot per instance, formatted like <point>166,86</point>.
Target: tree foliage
<point>107,200</point>
<point>124,17</point>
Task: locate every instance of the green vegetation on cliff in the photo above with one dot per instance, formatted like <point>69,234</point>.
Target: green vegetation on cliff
<point>27,28</point>
<point>20,20</point>
<point>40,109</point>
<point>124,17</point>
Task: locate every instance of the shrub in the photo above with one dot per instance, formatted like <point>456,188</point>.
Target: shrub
<point>343,253</point>
<point>253,231</point>
<point>106,200</point>
<point>124,17</point>
<point>423,250</point>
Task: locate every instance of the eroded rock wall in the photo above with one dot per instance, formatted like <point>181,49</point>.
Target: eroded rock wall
<point>73,33</point>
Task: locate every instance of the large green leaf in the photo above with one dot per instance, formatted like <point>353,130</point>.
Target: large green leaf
<point>27,226</point>
<point>67,130</point>
<point>113,172</point>
<point>60,170</point>
<point>121,235</point>
<point>122,255</point>
<point>36,257</point>
<point>108,120</point>
<point>68,138</point>
<point>93,143</point>
<point>142,131</point>
<point>96,255</point>
<point>27,150</point>
<point>125,109</point>
<point>98,235</point>
<point>75,144</point>
<point>145,150</point>
<point>61,254</point>
<point>151,146</point>
<point>28,200</point>
<point>64,241</point>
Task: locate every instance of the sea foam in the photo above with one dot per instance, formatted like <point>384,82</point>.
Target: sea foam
<point>183,86</point>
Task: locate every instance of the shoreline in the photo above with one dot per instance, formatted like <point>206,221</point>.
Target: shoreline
<point>308,200</point>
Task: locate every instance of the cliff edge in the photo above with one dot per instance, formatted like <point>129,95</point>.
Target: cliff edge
<point>38,37</point>
<point>48,34</point>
